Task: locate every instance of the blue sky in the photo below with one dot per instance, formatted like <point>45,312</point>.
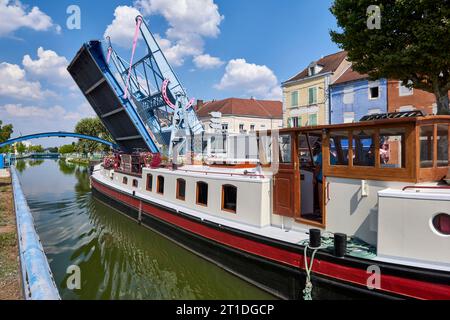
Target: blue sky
<point>218,48</point>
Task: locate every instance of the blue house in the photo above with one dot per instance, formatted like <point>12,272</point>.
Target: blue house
<point>353,96</point>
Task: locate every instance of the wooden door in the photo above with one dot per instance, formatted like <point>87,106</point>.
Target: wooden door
<point>286,183</point>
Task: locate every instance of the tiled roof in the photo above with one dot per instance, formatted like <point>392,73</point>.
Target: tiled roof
<point>350,75</point>
<point>329,64</point>
<point>243,107</point>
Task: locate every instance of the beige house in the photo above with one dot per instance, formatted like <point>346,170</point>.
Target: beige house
<point>306,95</point>
<point>241,115</point>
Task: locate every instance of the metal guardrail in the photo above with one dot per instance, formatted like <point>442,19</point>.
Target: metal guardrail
<point>37,278</point>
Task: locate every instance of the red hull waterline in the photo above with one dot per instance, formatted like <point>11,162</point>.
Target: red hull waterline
<point>339,270</point>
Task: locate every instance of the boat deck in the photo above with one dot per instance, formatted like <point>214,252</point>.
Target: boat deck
<point>290,236</point>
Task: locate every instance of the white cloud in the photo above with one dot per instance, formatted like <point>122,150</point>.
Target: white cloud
<point>56,112</point>
<point>187,27</point>
<point>250,79</point>
<point>50,66</point>
<point>122,28</point>
<point>205,61</point>
<point>200,17</point>
<point>14,84</point>
<point>176,51</point>
<point>190,21</point>
<point>14,15</point>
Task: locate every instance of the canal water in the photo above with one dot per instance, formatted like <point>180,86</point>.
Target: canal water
<point>118,259</point>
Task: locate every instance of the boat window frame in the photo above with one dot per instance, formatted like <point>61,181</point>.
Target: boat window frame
<point>178,196</point>
<point>197,193</point>
<point>149,187</point>
<point>159,184</point>
<point>125,180</point>
<point>351,171</point>
<point>223,198</point>
<point>435,172</point>
<point>135,183</point>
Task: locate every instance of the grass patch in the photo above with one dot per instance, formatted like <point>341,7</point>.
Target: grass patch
<point>8,262</point>
<point>7,240</point>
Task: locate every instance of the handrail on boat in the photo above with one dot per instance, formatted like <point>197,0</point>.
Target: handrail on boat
<point>425,187</point>
<point>226,173</point>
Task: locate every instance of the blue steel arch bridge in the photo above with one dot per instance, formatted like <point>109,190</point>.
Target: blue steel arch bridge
<point>59,134</point>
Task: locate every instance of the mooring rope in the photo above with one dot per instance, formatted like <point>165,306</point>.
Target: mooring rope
<point>307,292</point>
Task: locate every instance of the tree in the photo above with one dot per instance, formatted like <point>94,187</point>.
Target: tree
<point>52,149</point>
<point>21,148</point>
<point>5,134</point>
<point>67,148</point>
<point>411,44</point>
<point>36,149</point>
<point>91,127</point>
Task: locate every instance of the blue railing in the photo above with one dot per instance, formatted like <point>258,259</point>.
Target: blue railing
<point>37,278</point>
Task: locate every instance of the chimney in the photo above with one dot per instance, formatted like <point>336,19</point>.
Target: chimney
<point>200,104</point>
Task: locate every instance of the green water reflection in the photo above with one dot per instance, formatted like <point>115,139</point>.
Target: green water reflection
<point>118,259</point>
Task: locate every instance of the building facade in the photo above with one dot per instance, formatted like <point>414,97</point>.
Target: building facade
<point>400,98</point>
<point>306,100</point>
<point>353,96</point>
<point>241,115</point>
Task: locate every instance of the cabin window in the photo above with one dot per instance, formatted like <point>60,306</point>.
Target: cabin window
<point>426,146</point>
<point>135,183</point>
<point>160,185</point>
<point>149,182</point>
<point>392,148</point>
<point>364,148</point>
<point>285,148</point>
<point>442,145</point>
<point>305,142</point>
<point>125,180</point>
<point>339,148</point>
<point>229,198</point>
<point>202,193</point>
<point>181,189</point>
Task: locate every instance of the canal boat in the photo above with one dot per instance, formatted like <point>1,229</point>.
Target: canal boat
<point>348,210</point>
<point>384,217</point>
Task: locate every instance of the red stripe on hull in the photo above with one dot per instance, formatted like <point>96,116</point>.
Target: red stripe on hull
<point>392,284</point>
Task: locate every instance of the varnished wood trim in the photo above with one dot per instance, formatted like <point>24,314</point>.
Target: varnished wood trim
<point>223,199</point>
<point>197,185</point>
<point>149,178</point>
<point>180,180</point>
<point>158,182</point>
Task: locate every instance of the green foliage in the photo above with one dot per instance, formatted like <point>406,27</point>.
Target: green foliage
<point>36,149</point>
<point>92,127</point>
<point>53,149</point>
<point>5,134</point>
<point>412,44</point>
<point>21,148</point>
<point>67,148</point>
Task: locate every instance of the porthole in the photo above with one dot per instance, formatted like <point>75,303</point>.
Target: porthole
<point>441,223</point>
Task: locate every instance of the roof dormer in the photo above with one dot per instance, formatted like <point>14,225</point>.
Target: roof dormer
<point>314,69</point>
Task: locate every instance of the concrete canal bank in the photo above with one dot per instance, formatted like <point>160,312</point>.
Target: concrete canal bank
<point>10,286</point>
